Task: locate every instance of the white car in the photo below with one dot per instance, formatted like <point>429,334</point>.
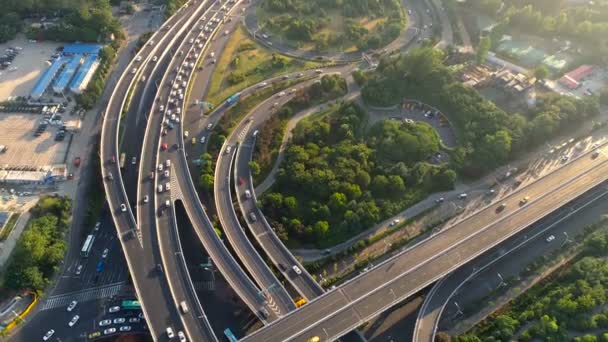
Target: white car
<point>154,59</point>
<point>123,207</point>
<point>202,140</point>
<point>134,320</point>
<point>180,334</point>
<point>48,335</point>
<point>105,253</point>
<point>167,174</point>
<point>72,305</point>
<point>125,328</point>
<point>296,269</point>
<point>105,322</point>
<point>114,309</point>
<point>186,133</point>
<point>97,226</point>
<point>170,333</point>
<point>146,199</point>
<point>247,194</point>
<point>119,320</point>
<point>78,269</point>
<point>263,84</point>
<point>209,126</point>
<point>281,94</point>
<point>138,59</point>
<point>160,167</point>
<point>74,320</point>
<point>133,70</point>
<point>167,186</point>
<point>394,222</point>
<point>550,238</point>
<point>109,331</point>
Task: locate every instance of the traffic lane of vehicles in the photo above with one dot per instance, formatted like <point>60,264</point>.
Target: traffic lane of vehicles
<point>245,250</point>
<point>537,191</point>
<point>373,297</point>
<point>148,211</point>
<point>57,319</point>
<point>523,249</point>
<point>225,263</point>
<point>157,307</point>
<point>282,258</point>
<point>224,260</point>
<point>284,261</point>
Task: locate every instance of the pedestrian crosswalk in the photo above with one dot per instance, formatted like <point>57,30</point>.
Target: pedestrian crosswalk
<point>94,293</point>
<point>208,285</point>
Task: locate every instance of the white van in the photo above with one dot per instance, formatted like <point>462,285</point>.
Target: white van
<point>184,307</point>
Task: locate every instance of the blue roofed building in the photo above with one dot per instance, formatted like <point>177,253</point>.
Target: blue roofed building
<point>67,73</point>
<point>81,49</point>
<point>47,77</point>
<point>84,74</point>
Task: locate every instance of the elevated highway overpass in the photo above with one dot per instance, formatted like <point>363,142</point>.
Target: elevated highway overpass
<point>152,289</point>
<point>367,295</point>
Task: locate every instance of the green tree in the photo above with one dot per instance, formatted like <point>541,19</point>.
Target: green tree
<point>206,182</point>
<point>321,229</point>
<point>485,43</point>
<point>541,72</point>
<point>255,168</point>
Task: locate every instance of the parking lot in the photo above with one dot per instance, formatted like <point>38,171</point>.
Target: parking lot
<point>19,78</point>
<point>23,148</point>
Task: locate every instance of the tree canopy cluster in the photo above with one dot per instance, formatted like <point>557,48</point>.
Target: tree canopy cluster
<point>302,20</point>
<point>338,179</point>
<point>552,311</point>
<point>270,136</point>
<point>586,24</point>
<point>488,136</point>
<point>41,247</point>
<point>77,20</point>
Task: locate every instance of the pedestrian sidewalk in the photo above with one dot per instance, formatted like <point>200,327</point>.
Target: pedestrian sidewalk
<point>7,246</point>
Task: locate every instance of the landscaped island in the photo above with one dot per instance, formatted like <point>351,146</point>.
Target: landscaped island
<point>333,25</point>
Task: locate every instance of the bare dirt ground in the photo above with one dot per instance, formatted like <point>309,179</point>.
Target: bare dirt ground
<point>30,63</point>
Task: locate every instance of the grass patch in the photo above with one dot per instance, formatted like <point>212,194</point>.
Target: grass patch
<point>8,228</point>
<point>244,63</point>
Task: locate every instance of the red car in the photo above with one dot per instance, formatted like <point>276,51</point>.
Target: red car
<point>77,161</point>
<point>163,147</point>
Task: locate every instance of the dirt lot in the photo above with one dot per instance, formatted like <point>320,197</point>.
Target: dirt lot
<point>24,149</point>
<point>31,62</point>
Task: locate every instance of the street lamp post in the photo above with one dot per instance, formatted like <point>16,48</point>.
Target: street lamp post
<point>502,280</point>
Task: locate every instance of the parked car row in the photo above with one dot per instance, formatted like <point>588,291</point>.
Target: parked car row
<point>7,59</point>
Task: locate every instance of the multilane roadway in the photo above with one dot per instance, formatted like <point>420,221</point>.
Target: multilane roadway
<point>369,294</point>
<point>182,183</point>
<point>140,257</point>
<point>171,262</point>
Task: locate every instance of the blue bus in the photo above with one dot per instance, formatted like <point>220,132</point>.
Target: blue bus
<point>233,99</point>
<point>229,335</point>
<point>130,305</point>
